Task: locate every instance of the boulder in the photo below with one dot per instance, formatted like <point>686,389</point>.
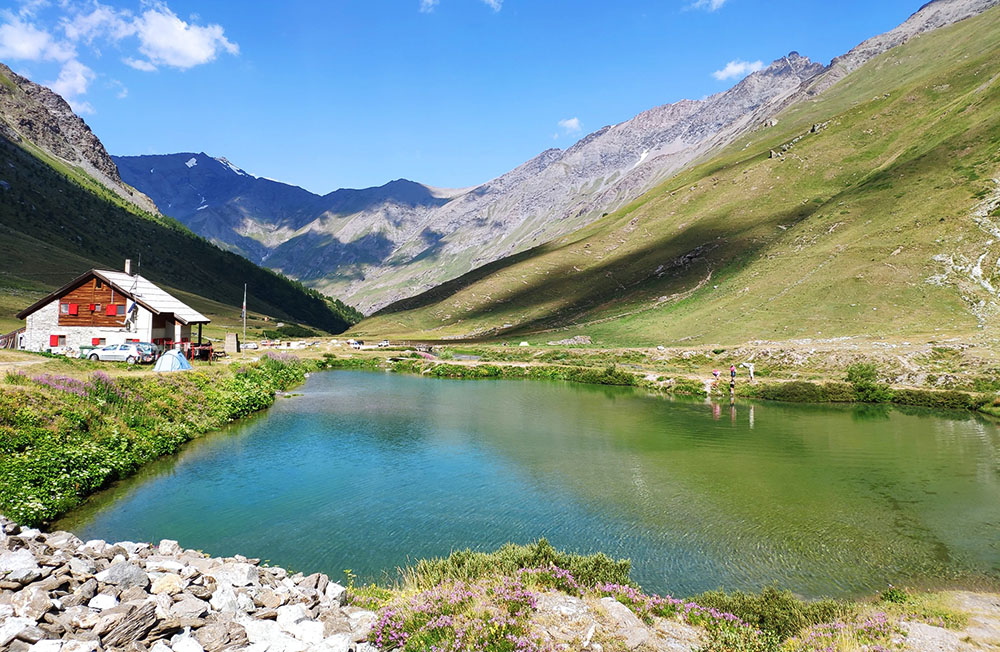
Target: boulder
<point>186,643</point>
<point>31,603</point>
<point>189,607</point>
<point>124,575</point>
<point>169,583</point>
<point>103,601</point>
<point>627,624</point>
<point>336,593</point>
<point>10,628</point>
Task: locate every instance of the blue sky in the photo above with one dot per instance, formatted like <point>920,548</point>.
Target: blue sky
<point>354,93</point>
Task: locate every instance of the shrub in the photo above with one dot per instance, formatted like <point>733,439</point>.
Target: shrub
<point>468,565</point>
<point>773,611</point>
<point>948,399</point>
<point>867,388</point>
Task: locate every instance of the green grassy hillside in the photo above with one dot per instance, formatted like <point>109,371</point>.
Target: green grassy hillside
<point>862,222</point>
<point>56,222</point>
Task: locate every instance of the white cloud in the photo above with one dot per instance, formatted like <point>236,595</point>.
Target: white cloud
<point>74,78</point>
<point>571,126</point>
<point>102,21</point>
<point>495,5</point>
<point>139,64</point>
<point>738,68</point>
<point>710,5</point>
<point>165,39</point>
<point>427,6</point>
<point>24,41</point>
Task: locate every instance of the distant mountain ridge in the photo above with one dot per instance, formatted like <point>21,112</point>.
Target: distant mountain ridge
<point>405,237</point>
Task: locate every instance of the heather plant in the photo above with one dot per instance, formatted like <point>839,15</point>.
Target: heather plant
<point>491,615</point>
<point>876,633</point>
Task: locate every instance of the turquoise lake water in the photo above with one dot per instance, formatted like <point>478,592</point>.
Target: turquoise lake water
<point>368,471</point>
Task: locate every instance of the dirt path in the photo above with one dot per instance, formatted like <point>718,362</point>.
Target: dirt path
<point>981,633</point>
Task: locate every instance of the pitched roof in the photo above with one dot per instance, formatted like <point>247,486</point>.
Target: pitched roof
<point>152,296</point>
<point>142,290</point>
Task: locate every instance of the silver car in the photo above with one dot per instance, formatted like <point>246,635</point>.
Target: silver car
<point>129,353</point>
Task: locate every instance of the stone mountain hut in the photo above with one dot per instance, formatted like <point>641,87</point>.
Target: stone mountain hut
<point>103,307</point>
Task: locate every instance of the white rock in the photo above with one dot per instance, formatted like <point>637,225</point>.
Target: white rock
<point>187,644</point>
<point>342,643</point>
<point>103,601</point>
<point>47,646</point>
<point>11,627</point>
<point>237,574</point>
<point>80,646</point>
<point>6,610</point>
<point>289,615</point>
<point>308,631</point>
<point>96,545</point>
<point>270,635</point>
<point>160,646</point>
<point>164,566</point>
<point>336,593</point>
<point>224,599</point>
<point>169,547</point>
<point>17,560</point>
<point>244,602</point>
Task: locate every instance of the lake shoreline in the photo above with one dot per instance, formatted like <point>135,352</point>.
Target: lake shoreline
<point>869,391</point>
<point>61,594</point>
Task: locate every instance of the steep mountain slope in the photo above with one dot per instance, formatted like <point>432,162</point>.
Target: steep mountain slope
<point>57,220</point>
<point>35,116</point>
<point>380,252</point>
<point>872,210</point>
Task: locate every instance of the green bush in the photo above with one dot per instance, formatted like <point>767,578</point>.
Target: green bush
<point>469,565</point>
<point>773,611</point>
<point>863,377</point>
<point>947,400</point>
<point>800,391</point>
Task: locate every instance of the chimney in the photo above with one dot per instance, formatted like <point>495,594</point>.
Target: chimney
<point>128,265</point>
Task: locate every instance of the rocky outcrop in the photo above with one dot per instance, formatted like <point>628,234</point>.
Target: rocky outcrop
<point>32,112</point>
<point>61,594</point>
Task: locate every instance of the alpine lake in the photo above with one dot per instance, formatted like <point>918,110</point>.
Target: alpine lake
<point>371,471</point>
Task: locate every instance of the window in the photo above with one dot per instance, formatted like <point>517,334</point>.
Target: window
<point>97,307</point>
<point>57,340</point>
<point>63,308</point>
<point>121,309</point>
<point>99,284</point>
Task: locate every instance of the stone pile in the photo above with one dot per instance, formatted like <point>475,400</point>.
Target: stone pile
<point>61,594</point>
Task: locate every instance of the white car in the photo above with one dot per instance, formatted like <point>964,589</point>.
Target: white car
<point>383,344</point>
<point>129,353</point>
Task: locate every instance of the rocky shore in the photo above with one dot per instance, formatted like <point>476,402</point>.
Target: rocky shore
<point>61,594</point>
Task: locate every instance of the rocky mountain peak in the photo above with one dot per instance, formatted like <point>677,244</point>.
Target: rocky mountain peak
<point>32,112</point>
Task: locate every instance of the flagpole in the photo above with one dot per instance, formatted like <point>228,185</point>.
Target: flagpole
<point>244,316</point>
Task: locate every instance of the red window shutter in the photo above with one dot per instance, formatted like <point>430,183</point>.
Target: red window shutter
<point>92,307</point>
<point>53,340</point>
<point>112,311</point>
<point>95,341</point>
<point>74,309</point>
